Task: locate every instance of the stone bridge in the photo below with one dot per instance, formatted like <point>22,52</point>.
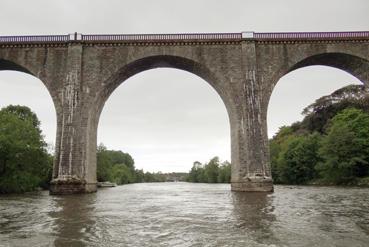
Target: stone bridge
<point>81,71</point>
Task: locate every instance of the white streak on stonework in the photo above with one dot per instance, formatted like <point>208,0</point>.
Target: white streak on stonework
<point>69,103</point>
<point>242,125</point>
<point>70,154</point>
<point>60,171</point>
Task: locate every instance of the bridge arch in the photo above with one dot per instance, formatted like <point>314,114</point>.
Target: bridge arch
<point>152,62</point>
<point>352,64</point>
<point>162,61</point>
<point>355,65</point>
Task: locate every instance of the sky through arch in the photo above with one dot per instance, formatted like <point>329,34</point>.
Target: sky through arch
<point>166,119</point>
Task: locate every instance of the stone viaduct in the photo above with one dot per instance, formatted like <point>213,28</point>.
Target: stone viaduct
<point>81,71</point>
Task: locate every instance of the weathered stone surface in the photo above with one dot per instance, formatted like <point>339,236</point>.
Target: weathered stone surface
<point>71,185</point>
<point>251,185</point>
<point>81,76</point>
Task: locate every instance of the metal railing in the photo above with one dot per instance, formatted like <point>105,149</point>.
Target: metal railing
<point>311,35</point>
<point>35,39</point>
<point>183,37</point>
<point>163,37</point>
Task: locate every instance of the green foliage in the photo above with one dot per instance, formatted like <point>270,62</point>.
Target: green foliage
<point>345,148</point>
<point>224,175</point>
<point>278,144</point>
<point>121,174</point>
<point>318,114</point>
<point>154,177</point>
<point>23,113</point>
<point>24,162</point>
<point>114,166</point>
<point>212,172</point>
<point>297,159</point>
<point>330,145</point>
<point>103,164</point>
<point>118,167</point>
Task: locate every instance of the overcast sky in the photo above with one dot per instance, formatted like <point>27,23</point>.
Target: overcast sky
<point>166,118</point>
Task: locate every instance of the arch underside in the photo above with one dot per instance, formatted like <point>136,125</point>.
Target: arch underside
<point>354,65</point>
<point>9,65</point>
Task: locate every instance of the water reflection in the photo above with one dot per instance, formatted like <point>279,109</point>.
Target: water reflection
<point>254,214</point>
<point>74,220</point>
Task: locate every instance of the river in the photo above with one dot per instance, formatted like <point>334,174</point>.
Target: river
<point>185,214</point>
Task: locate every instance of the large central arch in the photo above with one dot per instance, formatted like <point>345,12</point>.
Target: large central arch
<point>152,62</point>
<point>161,61</point>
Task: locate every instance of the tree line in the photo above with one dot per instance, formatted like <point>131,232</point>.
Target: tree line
<point>211,172</point>
<point>118,167</point>
<point>329,146</point>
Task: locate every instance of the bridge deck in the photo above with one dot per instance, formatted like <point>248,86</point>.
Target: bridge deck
<point>362,35</point>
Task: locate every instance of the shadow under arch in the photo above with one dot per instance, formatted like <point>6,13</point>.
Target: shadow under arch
<point>354,65</point>
<point>9,65</point>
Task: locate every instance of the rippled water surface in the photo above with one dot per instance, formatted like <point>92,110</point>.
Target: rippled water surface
<point>184,214</point>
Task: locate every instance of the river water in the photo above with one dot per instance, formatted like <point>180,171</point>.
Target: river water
<point>185,214</point>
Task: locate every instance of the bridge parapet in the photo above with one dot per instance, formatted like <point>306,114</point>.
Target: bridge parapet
<point>35,39</point>
<point>185,37</point>
<point>163,37</point>
<point>312,36</point>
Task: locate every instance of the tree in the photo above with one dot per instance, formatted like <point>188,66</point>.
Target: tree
<point>224,175</point>
<point>103,164</point>
<point>121,174</point>
<point>194,174</point>
<point>118,157</point>
<point>278,145</point>
<point>345,148</point>
<point>296,163</point>
<point>24,162</point>
<point>332,135</point>
<point>212,170</point>
<point>114,166</point>
<point>318,114</point>
<point>23,113</point>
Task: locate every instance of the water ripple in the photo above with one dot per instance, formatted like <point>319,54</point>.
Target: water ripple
<point>184,214</point>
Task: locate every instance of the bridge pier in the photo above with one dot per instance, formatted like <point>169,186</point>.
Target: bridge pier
<point>74,170</point>
<point>250,149</point>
